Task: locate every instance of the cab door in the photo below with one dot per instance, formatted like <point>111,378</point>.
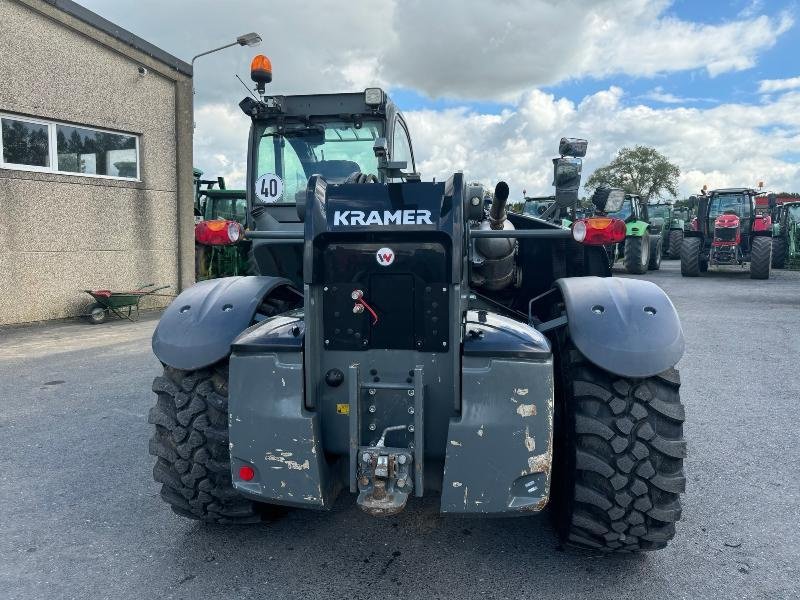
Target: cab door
<point>401,145</point>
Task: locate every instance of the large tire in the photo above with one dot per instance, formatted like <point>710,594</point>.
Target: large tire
<point>190,444</point>
<point>637,254</point>
<point>690,257</point>
<point>779,252</point>
<point>618,482</point>
<point>760,257</point>
<point>675,240</point>
<point>654,264</point>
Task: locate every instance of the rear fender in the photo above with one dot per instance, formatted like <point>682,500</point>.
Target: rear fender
<point>198,327</point>
<point>636,228</point>
<point>628,327</point>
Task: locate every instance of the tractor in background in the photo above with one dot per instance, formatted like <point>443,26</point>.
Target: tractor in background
<point>728,231</point>
<point>667,221</point>
<point>785,213</point>
<point>641,249</point>
<point>220,220</point>
<point>536,206</point>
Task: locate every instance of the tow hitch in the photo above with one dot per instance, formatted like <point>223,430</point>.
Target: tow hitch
<point>385,476</point>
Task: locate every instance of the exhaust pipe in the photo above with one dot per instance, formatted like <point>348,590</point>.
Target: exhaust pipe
<point>497,212</point>
<point>494,266</point>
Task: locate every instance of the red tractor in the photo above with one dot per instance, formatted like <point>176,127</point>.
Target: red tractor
<point>728,231</point>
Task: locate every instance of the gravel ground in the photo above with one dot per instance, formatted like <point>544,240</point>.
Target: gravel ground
<point>80,516</point>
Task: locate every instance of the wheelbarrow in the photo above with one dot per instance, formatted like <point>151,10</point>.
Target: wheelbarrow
<point>108,302</point>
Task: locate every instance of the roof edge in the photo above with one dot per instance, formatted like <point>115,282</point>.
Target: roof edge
<point>123,35</point>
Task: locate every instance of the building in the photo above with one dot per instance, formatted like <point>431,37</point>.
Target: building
<point>96,186</point>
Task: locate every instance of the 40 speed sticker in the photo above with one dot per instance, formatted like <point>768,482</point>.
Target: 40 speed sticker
<point>269,188</point>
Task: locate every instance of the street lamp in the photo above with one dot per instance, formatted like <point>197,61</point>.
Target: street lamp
<point>248,39</point>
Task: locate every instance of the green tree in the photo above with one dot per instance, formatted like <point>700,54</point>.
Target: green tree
<point>639,170</point>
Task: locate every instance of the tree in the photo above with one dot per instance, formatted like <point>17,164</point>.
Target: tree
<point>639,170</point>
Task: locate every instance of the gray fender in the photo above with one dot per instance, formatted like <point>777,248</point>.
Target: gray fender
<point>626,326</point>
<point>198,327</point>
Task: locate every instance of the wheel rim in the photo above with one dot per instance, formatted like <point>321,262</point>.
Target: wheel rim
<point>98,314</point>
<point>645,252</point>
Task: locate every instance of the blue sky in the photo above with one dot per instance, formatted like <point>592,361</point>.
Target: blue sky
<point>488,88</point>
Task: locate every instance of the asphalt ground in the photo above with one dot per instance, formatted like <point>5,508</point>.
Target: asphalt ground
<point>80,516</point>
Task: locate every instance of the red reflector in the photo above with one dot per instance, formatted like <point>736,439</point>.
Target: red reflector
<point>599,231</point>
<point>246,473</point>
<point>219,232</point>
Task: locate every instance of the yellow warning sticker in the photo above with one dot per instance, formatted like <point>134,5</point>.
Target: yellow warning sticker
<point>343,409</point>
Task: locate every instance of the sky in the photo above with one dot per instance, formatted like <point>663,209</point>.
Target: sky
<point>488,88</point>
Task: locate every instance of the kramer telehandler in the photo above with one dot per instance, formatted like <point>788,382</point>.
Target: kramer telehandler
<point>407,341</point>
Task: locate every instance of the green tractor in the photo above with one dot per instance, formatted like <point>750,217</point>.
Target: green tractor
<point>786,235</point>
<point>668,221</point>
<point>220,220</point>
<point>642,247</point>
<point>536,206</point>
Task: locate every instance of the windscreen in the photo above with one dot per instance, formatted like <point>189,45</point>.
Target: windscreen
<point>624,212</point>
<point>736,204</point>
<point>794,213</point>
<point>334,150</point>
<point>657,211</point>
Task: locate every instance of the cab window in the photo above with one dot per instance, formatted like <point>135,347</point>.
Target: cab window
<point>737,204</point>
<point>401,147</point>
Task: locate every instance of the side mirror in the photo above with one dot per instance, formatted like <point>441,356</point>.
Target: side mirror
<point>574,147</point>
<point>380,148</point>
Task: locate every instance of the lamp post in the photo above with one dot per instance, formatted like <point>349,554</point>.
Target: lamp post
<point>248,39</point>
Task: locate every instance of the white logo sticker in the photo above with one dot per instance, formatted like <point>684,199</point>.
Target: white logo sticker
<point>385,256</point>
<point>269,188</point>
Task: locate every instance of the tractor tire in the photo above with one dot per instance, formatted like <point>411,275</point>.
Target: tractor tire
<point>690,257</point>
<point>654,263</point>
<point>675,240</point>
<point>190,444</point>
<point>760,257</point>
<point>620,476</point>
<point>779,251</point>
<point>637,254</point>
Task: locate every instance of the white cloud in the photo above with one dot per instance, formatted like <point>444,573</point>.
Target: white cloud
<point>220,142</point>
<point>767,86</point>
<point>499,49</point>
<point>728,145</point>
<point>488,50</point>
<point>658,94</point>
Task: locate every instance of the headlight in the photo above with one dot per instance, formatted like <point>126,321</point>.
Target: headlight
<point>234,232</point>
<point>373,96</point>
<point>579,231</point>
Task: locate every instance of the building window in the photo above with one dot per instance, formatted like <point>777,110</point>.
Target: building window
<point>25,143</point>
<point>36,145</point>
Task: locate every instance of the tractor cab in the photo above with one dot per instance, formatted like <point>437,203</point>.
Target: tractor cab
<point>632,210</point>
<point>332,135</point>
<point>344,138</point>
<point>738,203</point>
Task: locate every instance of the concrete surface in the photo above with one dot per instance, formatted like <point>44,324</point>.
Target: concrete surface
<point>80,515</point>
